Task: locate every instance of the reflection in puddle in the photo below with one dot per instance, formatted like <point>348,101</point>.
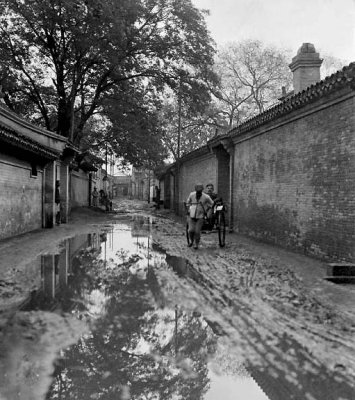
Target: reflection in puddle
<point>138,348</point>
<point>182,267</point>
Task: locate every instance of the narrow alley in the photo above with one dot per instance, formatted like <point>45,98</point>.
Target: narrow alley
<point>177,204</point>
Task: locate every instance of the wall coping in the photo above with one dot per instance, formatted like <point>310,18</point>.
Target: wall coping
<point>9,136</point>
<point>19,125</point>
<point>197,158</point>
<point>339,80</point>
<point>278,122</point>
<point>23,123</point>
<point>194,153</point>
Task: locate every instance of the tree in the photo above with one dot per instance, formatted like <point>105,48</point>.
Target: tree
<point>331,64</point>
<point>135,133</point>
<point>67,58</point>
<point>196,128</point>
<point>251,77</point>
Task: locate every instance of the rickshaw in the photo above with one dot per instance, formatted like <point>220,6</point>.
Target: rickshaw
<point>216,223</point>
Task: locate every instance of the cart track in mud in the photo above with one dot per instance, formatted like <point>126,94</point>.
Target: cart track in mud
<point>264,309</point>
<point>294,341</point>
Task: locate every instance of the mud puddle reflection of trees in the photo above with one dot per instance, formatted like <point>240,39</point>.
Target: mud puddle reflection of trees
<point>149,326</point>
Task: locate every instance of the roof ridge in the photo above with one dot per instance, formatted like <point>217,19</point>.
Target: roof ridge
<point>9,134</point>
<point>26,123</point>
<point>340,78</point>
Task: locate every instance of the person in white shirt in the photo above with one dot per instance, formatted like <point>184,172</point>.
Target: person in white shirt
<point>197,203</point>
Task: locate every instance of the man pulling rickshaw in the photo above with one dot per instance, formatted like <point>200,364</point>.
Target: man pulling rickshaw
<point>204,213</point>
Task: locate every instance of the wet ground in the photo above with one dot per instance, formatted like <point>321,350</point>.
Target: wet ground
<point>126,311</point>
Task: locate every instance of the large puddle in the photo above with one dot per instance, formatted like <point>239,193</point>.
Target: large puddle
<point>137,347</point>
<point>139,344</point>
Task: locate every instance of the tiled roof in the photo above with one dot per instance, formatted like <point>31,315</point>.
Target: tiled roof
<point>9,136</point>
<point>195,153</point>
<point>22,122</point>
<point>340,79</point>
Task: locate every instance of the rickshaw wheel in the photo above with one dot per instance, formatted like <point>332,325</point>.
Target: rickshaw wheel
<point>221,229</point>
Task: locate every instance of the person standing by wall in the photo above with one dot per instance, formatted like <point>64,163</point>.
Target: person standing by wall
<point>157,197</point>
<point>95,195</point>
<point>57,203</point>
<point>197,204</point>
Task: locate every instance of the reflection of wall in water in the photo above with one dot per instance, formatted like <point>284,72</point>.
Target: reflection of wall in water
<point>55,268</point>
<point>48,272</point>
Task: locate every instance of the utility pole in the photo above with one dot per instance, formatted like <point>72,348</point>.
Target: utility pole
<point>177,174</point>
<point>148,184</point>
<point>179,120</point>
<point>72,121</point>
<point>106,157</point>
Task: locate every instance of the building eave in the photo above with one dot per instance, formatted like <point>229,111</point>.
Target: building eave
<point>345,78</point>
<point>12,121</point>
<point>16,140</point>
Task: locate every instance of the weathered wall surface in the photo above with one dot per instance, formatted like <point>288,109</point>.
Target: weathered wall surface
<point>167,185</point>
<point>294,181</point>
<point>223,165</point>
<point>21,199</point>
<point>202,169</point>
<point>79,189</point>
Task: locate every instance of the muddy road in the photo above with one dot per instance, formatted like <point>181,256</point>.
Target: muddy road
<point>123,309</point>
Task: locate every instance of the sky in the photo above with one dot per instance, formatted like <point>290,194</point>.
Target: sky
<point>328,24</point>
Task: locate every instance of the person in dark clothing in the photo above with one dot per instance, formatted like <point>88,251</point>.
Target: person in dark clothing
<point>95,195</point>
<point>102,197</point>
<point>57,203</point>
<point>157,197</point>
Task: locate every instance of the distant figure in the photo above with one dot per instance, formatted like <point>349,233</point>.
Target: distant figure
<point>157,197</point>
<point>102,197</point>
<point>57,203</point>
<point>105,200</point>
<point>95,195</point>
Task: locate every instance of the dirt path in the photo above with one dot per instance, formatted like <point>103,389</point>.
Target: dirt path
<point>266,309</point>
<point>269,306</point>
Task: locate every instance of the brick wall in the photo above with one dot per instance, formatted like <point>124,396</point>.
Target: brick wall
<point>79,189</point>
<point>200,169</point>
<point>21,197</point>
<point>49,195</point>
<point>294,179</point>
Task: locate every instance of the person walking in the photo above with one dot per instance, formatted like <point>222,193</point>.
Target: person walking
<point>95,196</point>
<point>197,203</point>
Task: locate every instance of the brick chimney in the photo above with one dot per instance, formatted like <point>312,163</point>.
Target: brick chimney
<point>305,67</point>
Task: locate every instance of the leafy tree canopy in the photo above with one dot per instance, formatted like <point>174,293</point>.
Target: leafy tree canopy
<point>64,61</point>
<point>195,127</point>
